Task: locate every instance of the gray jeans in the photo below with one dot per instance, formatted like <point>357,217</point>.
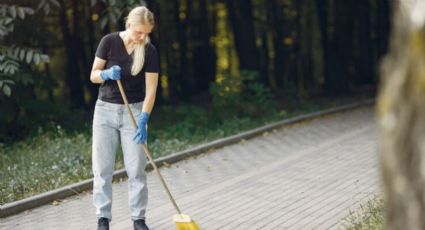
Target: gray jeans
<point>112,125</point>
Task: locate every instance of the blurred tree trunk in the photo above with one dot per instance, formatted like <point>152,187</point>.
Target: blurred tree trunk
<point>401,113</point>
<point>72,73</point>
<point>78,33</point>
<point>381,30</point>
<point>304,48</point>
<point>170,50</point>
<point>335,19</point>
<point>154,36</point>
<point>322,8</point>
<point>363,71</point>
<point>92,88</point>
<point>342,42</point>
<point>204,58</point>
<point>306,42</point>
<point>276,33</point>
<point>384,24</point>
<point>290,23</point>
<point>48,74</point>
<point>183,77</point>
<point>241,19</point>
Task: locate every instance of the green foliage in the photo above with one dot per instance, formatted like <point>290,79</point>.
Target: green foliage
<point>46,5</point>
<point>27,118</point>
<point>115,10</point>
<point>13,56</point>
<point>11,71</point>
<point>21,70</point>
<point>242,95</point>
<point>10,13</point>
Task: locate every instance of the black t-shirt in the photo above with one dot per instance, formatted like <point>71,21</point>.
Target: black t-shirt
<point>112,49</point>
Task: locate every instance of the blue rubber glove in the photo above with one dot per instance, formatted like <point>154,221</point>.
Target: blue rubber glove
<point>113,73</point>
<point>141,136</point>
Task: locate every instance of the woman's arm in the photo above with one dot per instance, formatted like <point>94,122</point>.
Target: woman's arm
<point>151,85</point>
<point>98,66</point>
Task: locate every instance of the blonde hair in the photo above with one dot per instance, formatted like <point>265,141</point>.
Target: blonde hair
<point>139,16</point>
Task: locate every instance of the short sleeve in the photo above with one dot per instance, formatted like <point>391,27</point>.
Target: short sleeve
<point>151,61</point>
<point>102,49</point>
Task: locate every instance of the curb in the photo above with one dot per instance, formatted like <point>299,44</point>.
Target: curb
<point>12,208</point>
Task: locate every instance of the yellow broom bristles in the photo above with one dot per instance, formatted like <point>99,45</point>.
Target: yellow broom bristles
<point>184,222</point>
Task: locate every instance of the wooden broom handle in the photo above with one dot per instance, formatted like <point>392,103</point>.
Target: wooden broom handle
<point>145,147</point>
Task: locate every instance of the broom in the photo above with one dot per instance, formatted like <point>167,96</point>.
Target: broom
<point>182,221</point>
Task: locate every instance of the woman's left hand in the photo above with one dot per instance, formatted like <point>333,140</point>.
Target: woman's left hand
<point>141,136</point>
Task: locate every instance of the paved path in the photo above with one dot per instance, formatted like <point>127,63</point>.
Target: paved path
<point>306,176</point>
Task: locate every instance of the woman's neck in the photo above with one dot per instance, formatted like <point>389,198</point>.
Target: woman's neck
<point>126,38</point>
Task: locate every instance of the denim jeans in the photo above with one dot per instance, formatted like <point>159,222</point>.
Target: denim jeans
<point>112,125</point>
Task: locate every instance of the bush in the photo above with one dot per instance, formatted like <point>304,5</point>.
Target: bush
<point>33,116</point>
<point>242,95</point>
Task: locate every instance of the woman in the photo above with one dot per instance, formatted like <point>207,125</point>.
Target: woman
<point>130,57</point>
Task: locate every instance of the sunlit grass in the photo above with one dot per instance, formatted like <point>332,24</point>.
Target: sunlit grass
<point>369,216</point>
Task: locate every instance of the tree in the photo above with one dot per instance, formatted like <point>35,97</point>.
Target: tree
<point>336,23</point>
<point>72,71</point>
<point>184,74</point>
<point>23,61</point>
<point>204,58</point>
<point>401,113</point>
<point>75,28</point>
<point>241,18</point>
<point>14,55</point>
<point>362,51</point>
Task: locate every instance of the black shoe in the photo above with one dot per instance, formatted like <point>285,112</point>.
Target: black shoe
<point>103,223</point>
<point>140,225</point>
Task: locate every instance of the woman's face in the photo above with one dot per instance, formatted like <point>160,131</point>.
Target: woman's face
<point>138,33</point>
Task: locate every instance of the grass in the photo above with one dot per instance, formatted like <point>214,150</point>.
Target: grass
<point>54,159</point>
<point>43,163</point>
<point>370,216</point>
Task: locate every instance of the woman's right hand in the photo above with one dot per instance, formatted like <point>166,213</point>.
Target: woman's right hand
<point>113,73</point>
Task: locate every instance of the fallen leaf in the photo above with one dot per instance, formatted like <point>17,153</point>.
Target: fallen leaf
<point>55,203</point>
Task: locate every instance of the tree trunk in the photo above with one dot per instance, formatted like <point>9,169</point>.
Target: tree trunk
<point>307,51</point>
<point>401,113</point>
<point>169,52</point>
<point>276,35</point>
<point>48,74</point>
<point>204,59</point>
<point>362,50</point>
<point>241,18</point>
<point>154,36</point>
<point>337,44</point>
<point>82,59</point>
<point>72,73</point>
<point>302,48</point>
<point>383,27</point>
<point>290,39</point>
<point>322,14</point>
<point>93,89</point>
<point>183,77</point>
